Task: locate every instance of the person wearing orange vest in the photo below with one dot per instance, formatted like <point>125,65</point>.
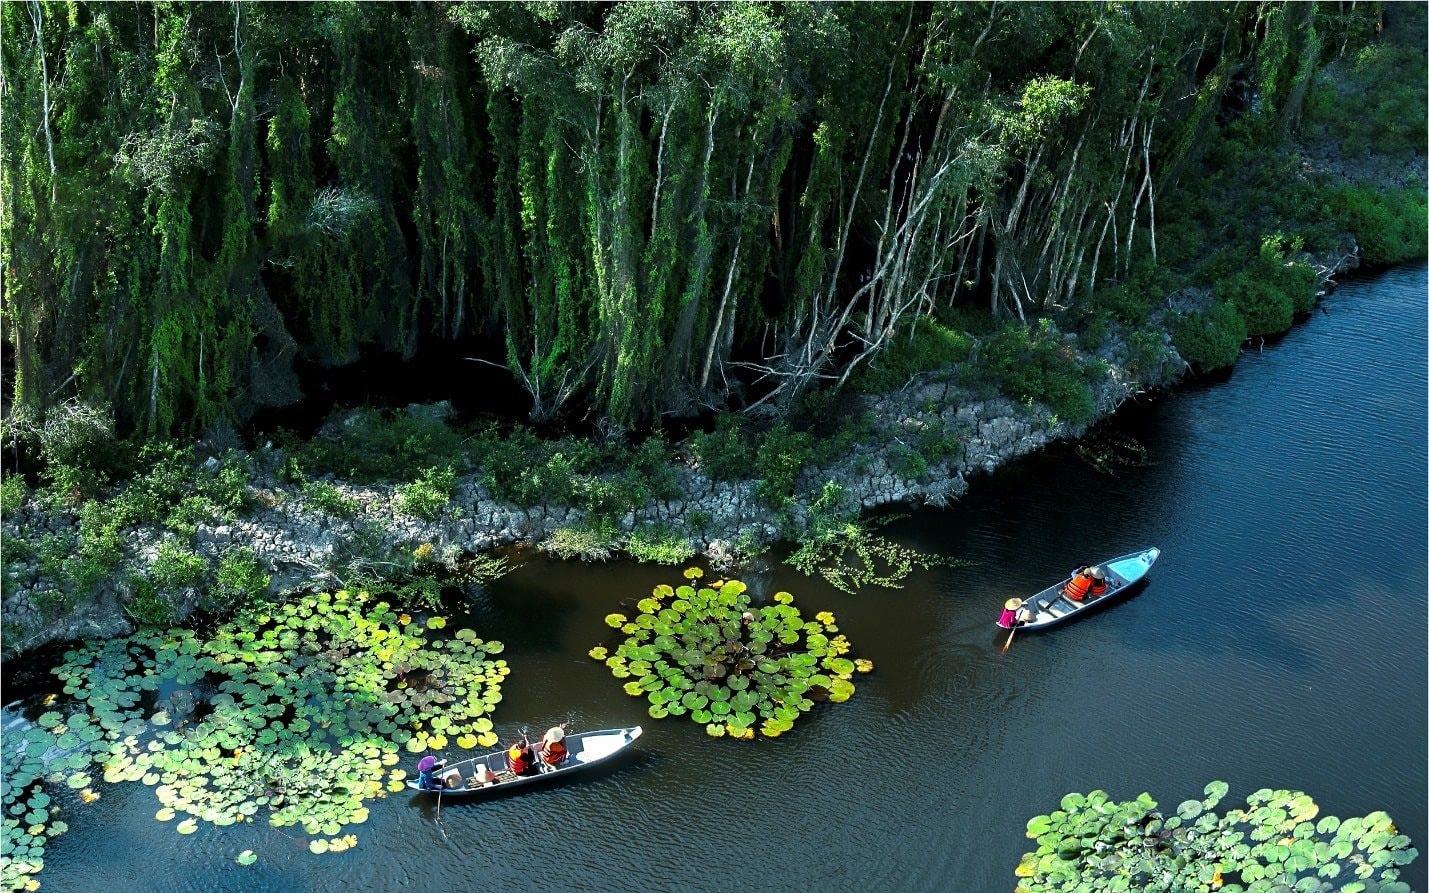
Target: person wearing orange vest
<point>1098,582</point>
<point>1080,584</point>
<point>553,748</point>
<point>520,759</point>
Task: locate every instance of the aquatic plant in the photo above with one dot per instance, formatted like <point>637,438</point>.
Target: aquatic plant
<point>709,653</point>
<point>298,712</point>
<point>1095,844</point>
<point>41,769</point>
<point>840,548</point>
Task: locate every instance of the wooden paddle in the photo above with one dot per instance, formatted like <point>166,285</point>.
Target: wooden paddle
<point>1010,633</point>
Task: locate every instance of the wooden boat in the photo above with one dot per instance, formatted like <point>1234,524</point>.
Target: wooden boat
<point>584,750</point>
<point>1051,606</point>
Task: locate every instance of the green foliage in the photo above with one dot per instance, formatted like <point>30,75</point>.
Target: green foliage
<point>1210,340</point>
<point>240,576</point>
<point>175,567</point>
<point>709,653</point>
<point>590,542</point>
<point>1271,290</point>
<point>146,606</point>
<point>723,454</point>
<point>13,493</point>
<point>780,457</point>
<point>428,494</point>
<point>928,345</point>
<point>79,449</point>
<point>1095,844</point>
<point>326,497</point>
<point>305,747</point>
<point>379,445</point>
<point>659,545</point>
<point>907,462</point>
<point>1374,100</point>
<point>1030,365</point>
<point>1389,226</point>
<point>842,550</point>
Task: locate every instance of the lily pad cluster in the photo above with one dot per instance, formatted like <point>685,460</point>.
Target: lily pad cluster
<point>1279,841</point>
<point>709,654</point>
<point>295,713</point>
<point>42,770</point>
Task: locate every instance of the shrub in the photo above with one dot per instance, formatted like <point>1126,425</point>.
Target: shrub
<point>374,444</point>
<point>326,497</point>
<point>1147,352</point>
<point>428,494</point>
<point>1266,309</point>
<point>651,461</point>
<point>146,606</point>
<point>660,545</point>
<point>240,575</point>
<point>508,464</point>
<point>100,547</point>
<point>925,346</point>
<point>780,457</point>
<point>1210,340</point>
<point>1390,227</point>
<point>13,492</point>
<point>79,449</point>
<point>1038,367</point>
<point>175,567</point>
<point>907,463</point>
<point>723,454</point>
<point>592,542</point>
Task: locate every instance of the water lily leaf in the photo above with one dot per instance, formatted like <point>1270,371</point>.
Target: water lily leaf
<point>247,857</point>
<point>187,826</point>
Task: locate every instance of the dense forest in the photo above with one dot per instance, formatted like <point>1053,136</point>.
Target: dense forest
<point>638,209</point>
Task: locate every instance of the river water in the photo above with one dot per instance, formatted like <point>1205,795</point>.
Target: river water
<point>1281,642</point>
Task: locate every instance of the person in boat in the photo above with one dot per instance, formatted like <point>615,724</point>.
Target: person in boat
<point>1080,584</point>
<point>1010,611</point>
<point>520,758</point>
<point>553,746</point>
<point>427,768</point>
<point>1098,587</point>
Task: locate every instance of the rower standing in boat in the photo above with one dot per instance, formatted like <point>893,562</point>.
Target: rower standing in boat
<point>427,768</point>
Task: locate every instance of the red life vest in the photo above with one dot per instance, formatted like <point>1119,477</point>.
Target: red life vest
<point>1077,589</point>
<point>1098,586</point>
<point>518,757</point>
<point>553,753</point>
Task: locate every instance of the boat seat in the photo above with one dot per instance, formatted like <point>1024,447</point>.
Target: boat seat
<point>595,747</point>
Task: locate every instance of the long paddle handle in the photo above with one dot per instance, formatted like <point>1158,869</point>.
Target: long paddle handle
<point>1010,633</point>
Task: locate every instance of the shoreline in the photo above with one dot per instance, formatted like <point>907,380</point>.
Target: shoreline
<point>296,543</point>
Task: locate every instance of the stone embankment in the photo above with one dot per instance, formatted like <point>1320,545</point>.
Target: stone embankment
<point>299,544</point>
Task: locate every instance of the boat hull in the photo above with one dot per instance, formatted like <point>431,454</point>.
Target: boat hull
<point>1052,607</point>
<point>585,749</point>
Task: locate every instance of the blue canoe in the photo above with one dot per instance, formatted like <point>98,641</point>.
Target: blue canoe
<point>1051,606</point>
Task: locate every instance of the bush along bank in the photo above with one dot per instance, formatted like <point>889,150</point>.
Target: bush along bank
<point>118,535</point>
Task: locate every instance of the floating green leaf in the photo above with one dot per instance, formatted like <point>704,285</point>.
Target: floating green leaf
<point>712,655</point>
<point>1094,845</point>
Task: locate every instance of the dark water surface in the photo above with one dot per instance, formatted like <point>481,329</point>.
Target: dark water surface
<point>1281,642</point>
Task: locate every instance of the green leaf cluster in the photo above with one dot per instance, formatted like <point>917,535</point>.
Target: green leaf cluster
<point>1094,844</point>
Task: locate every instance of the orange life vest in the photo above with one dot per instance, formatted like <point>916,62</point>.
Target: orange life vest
<point>553,753</point>
<point>1077,589</point>
<point>1098,586</point>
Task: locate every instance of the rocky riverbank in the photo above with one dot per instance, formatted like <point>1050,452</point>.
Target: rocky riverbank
<point>296,543</point>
